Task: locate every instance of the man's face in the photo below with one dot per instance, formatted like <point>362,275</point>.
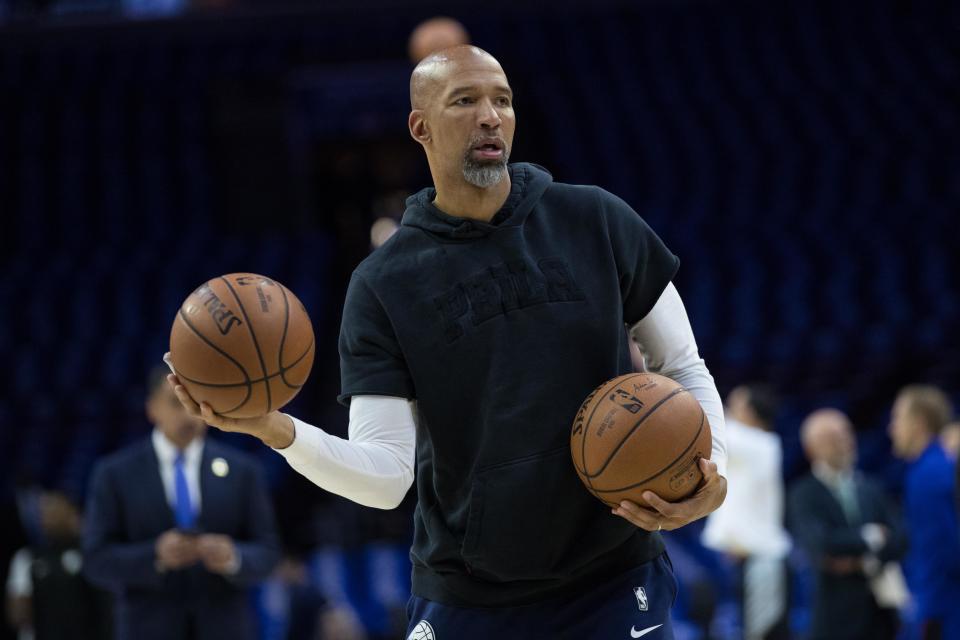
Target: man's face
<point>471,121</point>
<point>832,442</point>
<point>166,412</point>
<point>841,450</point>
<point>904,429</point>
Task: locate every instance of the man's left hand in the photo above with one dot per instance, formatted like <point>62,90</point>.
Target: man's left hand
<point>673,515</point>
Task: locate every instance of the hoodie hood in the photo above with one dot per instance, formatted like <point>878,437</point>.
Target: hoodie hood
<point>527,184</point>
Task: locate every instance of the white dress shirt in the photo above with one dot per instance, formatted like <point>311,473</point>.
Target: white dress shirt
<point>166,454</point>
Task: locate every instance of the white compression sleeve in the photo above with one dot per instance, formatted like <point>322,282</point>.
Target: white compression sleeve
<point>669,348</point>
<point>374,467</point>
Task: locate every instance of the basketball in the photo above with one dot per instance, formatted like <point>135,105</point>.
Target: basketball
<point>640,432</point>
<point>242,343</point>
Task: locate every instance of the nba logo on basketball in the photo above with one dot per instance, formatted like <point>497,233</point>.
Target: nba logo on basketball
<point>641,598</point>
<point>629,402</point>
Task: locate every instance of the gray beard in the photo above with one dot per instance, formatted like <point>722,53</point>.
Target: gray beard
<point>484,174</point>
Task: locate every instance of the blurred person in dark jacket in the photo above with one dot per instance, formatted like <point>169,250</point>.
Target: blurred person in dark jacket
<point>850,532</point>
<point>47,596</point>
<point>179,527</point>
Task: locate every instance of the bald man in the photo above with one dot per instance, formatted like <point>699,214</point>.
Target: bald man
<point>471,338</point>
<point>845,524</point>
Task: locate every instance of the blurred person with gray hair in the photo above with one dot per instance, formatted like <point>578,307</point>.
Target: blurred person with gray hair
<point>850,533</point>
<point>932,564</point>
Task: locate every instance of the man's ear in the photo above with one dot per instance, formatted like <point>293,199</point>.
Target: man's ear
<point>418,127</point>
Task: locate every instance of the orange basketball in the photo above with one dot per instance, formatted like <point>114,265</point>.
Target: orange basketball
<point>639,432</point>
<point>243,343</point>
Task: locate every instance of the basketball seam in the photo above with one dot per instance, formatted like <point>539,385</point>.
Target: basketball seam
<point>583,443</point>
<point>256,343</point>
<point>586,401</point>
<point>283,340</point>
<point>257,380</point>
<point>667,467</point>
<point>226,355</point>
<point>586,428</point>
<point>636,426</point>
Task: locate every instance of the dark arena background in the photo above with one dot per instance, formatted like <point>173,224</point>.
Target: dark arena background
<point>801,158</point>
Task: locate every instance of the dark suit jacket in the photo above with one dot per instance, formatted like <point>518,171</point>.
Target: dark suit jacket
<point>843,605</point>
<point>126,512</point>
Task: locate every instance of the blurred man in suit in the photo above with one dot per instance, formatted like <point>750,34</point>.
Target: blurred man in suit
<point>178,527</point>
<point>848,529</point>
<point>933,561</point>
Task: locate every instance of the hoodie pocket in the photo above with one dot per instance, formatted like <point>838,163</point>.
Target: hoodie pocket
<point>525,518</point>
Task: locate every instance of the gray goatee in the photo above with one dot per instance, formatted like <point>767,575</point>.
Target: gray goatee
<point>484,174</point>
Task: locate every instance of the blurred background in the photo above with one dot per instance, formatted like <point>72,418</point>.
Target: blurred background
<point>801,158</point>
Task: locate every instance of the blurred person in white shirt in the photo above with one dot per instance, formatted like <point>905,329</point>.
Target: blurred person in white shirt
<point>749,526</point>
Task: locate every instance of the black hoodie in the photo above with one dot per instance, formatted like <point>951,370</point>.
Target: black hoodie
<point>499,331</point>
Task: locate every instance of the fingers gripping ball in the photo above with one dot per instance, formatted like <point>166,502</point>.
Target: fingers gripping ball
<point>242,343</point>
<point>640,432</point>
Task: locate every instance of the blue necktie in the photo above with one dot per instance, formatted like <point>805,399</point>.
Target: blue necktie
<point>183,509</point>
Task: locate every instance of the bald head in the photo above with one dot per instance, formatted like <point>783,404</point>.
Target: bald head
<point>827,437</point>
<point>432,73</point>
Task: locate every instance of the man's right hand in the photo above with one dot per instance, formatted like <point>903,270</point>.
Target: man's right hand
<point>175,550</point>
<point>274,429</point>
